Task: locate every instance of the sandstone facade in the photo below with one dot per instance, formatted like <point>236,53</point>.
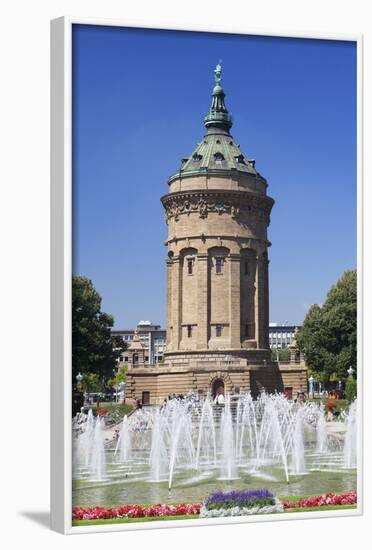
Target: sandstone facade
<point>218,211</point>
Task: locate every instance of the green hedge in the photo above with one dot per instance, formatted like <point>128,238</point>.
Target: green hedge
<point>351,390</point>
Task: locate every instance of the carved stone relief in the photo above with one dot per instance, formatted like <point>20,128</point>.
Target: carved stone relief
<point>184,206</point>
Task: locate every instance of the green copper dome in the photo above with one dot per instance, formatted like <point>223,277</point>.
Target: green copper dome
<point>218,152</point>
<point>218,116</point>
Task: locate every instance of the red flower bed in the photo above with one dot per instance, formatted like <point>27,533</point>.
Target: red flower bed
<point>102,412</point>
<point>159,510</point>
<point>135,511</point>
<point>328,499</point>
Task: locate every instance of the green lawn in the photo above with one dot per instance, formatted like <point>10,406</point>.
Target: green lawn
<point>79,523</point>
<point>321,508</point>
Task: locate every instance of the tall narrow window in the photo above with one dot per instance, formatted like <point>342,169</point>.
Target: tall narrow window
<point>218,330</point>
<point>189,266</point>
<point>218,265</point>
<point>189,331</point>
<point>245,268</point>
<point>246,331</point>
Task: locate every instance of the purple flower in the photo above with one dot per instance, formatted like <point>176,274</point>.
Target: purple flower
<point>242,499</point>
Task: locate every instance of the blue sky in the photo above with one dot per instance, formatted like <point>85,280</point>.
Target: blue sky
<point>139,98</point>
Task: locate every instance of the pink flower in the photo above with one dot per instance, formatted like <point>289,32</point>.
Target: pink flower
<point>135,511</point>
<point>329,499</point>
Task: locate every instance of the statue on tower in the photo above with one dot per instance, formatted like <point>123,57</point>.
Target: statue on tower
<point>217,72</point>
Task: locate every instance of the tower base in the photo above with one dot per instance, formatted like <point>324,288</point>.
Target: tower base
<point>205,373</point>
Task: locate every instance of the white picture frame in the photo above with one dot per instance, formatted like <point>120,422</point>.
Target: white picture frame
<point>61,269</point>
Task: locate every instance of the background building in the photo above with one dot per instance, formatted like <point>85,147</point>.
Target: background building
<point>281,335</point>
<point>152,338</point>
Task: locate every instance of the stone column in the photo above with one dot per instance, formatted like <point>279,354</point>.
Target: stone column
<point>202,316</point>
<point>259,301</point>
<point>262,302</point>
<point>234,300</point>
<point>169,304</point>
<point>176,303</point>
<point>265,291</point>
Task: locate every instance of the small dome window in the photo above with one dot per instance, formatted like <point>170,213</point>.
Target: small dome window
<point>184,160</point>
<point>240,159</point>
<point>196,157</point>
<point>219,158</point>
<point>218,141</point>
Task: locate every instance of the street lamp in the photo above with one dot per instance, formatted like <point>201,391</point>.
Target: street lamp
<point>121,390</point>
<point>79,379</point>
<point>350,372</point>
<point>311,386</point>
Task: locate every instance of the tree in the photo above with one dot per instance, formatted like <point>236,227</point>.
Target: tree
<point>94,349</point>
<point>351,390</point>
<point>280,354</point>
<point>119,377</point>
<point>91,383</point>
<point>328,338</point>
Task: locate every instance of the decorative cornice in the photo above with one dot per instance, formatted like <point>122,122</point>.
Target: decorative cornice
<point>221,201</point>
<point>243,242</point>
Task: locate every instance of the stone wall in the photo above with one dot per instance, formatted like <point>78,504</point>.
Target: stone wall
<point>199,375</point>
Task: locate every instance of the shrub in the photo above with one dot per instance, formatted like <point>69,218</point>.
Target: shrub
<point>351,390</point>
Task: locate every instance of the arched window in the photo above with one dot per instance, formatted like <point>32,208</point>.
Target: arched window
<point>218,158</point>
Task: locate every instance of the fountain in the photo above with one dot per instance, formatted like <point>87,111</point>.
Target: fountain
<point>298,449</point>
<point>97,462</point>
<point>321,431</point>
<point>157,447</point>
<point>191,439</point>
<point>206,436</point>
<point>124,442</point>
<point>228,467</point>
<point>351,437</point>
<point>83,447</point>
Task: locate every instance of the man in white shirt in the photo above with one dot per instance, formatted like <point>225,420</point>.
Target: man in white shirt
<point>219,399</point>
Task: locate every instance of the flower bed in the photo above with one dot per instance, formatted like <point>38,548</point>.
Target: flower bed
<point>217,505</point>
<point>135,511</point>
<point>329,499</point>
<point>240,503</point>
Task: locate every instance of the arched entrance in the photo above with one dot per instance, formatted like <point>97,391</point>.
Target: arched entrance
<point>218,387</point>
